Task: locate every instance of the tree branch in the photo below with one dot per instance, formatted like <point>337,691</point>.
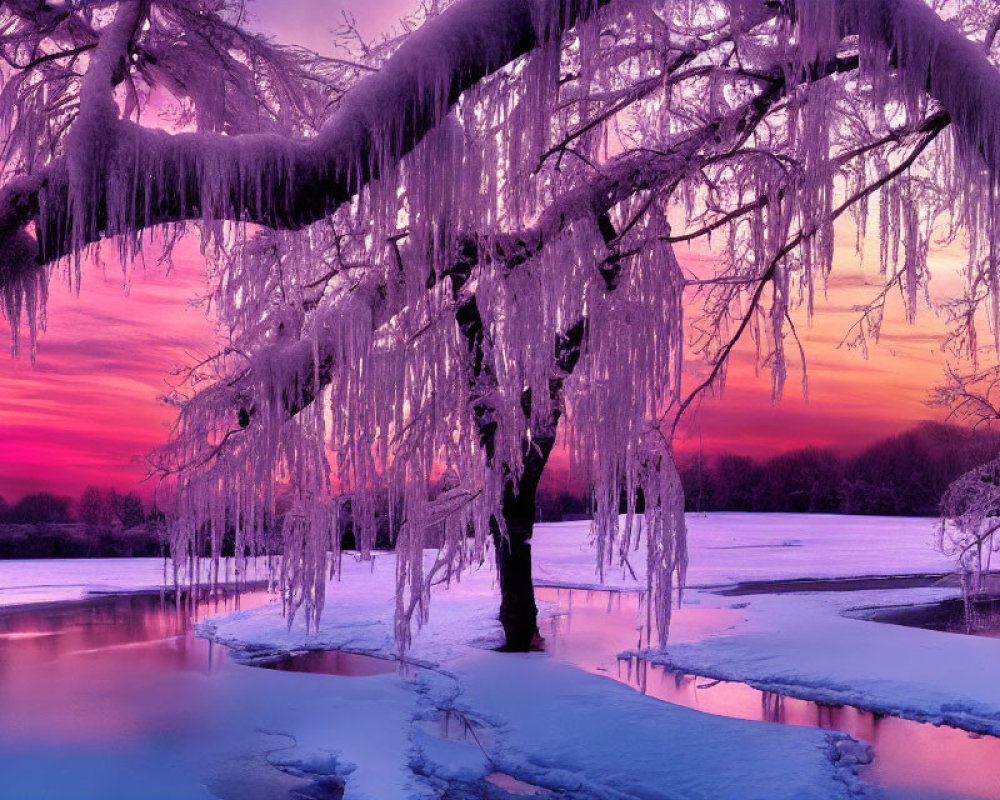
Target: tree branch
<point>281,182</point>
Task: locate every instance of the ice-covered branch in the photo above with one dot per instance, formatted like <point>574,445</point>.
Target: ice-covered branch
<point>926,133</point>
<point>91,143</point>
<point>934,58</point>
<point>158,178</point>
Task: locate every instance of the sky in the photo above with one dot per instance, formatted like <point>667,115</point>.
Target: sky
<point>91,408</point>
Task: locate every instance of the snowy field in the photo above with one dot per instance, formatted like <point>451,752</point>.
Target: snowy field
<point>582,735</point>
<point>58,579</point>
<point>725,548</point>
<point>798,644</point>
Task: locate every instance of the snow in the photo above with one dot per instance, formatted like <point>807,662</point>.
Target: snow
<point>545,721</point>
<point>319,726</point>
<point>587,736</point>
<point>359,617</point>
<point>557,727</point>
<point>54,580</point>
<point>727,548</point>
<point>801,645</point>
<point>551,725</point>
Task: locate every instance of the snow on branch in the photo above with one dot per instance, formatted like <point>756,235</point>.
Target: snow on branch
<point>151,178</point>
<point>969,532</point>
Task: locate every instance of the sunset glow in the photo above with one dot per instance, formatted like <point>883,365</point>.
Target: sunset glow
<point>89,411</point>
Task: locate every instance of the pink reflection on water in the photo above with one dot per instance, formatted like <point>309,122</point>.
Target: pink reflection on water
<point>594,626</point>
<point>335,662</point>
<point>513,786</point>
<point>80,672</point>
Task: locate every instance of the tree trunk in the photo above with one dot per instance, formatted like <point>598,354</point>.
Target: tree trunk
<point>518,612</point>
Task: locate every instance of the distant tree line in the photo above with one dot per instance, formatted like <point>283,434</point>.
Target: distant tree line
<point>904,475</point>
<point>101,522</point>
<point>96,507</point>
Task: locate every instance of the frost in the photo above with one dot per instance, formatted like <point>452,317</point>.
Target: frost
<point>970,521</point>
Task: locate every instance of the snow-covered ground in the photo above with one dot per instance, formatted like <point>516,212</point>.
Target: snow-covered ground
<point>800,644</point>
<point>582,735</point>
<point>59,579</point>
<point>727,548</point>
<point>808,644</point>
<point>51,580</point>
<point>541,720</point>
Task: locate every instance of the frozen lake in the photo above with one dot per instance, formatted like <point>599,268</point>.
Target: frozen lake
<point>115,698</point>
<point>912,759</point>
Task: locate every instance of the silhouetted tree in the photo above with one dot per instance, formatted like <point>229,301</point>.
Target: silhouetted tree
<point>736,483</point>
<point>39,508</point>
<point>127,509</point>
<point>95,509</point>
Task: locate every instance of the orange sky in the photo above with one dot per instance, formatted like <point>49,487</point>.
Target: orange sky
<point>89,410</point>
<point>852,400</point>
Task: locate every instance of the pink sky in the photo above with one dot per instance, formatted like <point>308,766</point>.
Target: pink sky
<point>89,410</point>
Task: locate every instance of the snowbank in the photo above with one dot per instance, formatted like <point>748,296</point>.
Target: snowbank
<point>801,645</point>
<point>51,580</point>
<point>560,728</point>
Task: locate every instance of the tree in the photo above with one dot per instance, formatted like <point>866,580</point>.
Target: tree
<point>801,481</point>
<point>736,479</point>
<point>95,508</point>
<point>970,522</point>
<point>40,508</point>
<point>466,236</point>
<point>128,509</point>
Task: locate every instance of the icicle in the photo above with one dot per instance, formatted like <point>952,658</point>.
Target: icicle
<point>23,290</point>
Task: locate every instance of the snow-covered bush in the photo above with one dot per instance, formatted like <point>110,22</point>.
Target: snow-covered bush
<point>970,522</point>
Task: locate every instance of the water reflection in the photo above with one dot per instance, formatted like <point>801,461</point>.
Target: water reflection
<point>119,684</point>
<point>76,671</point>
<point>515,787</point>
<point>334,662</point>
<point>909,756</point>
<point>115,699</point>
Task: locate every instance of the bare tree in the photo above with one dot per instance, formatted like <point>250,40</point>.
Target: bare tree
<point>970,522</point>
<point>95,509</point>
